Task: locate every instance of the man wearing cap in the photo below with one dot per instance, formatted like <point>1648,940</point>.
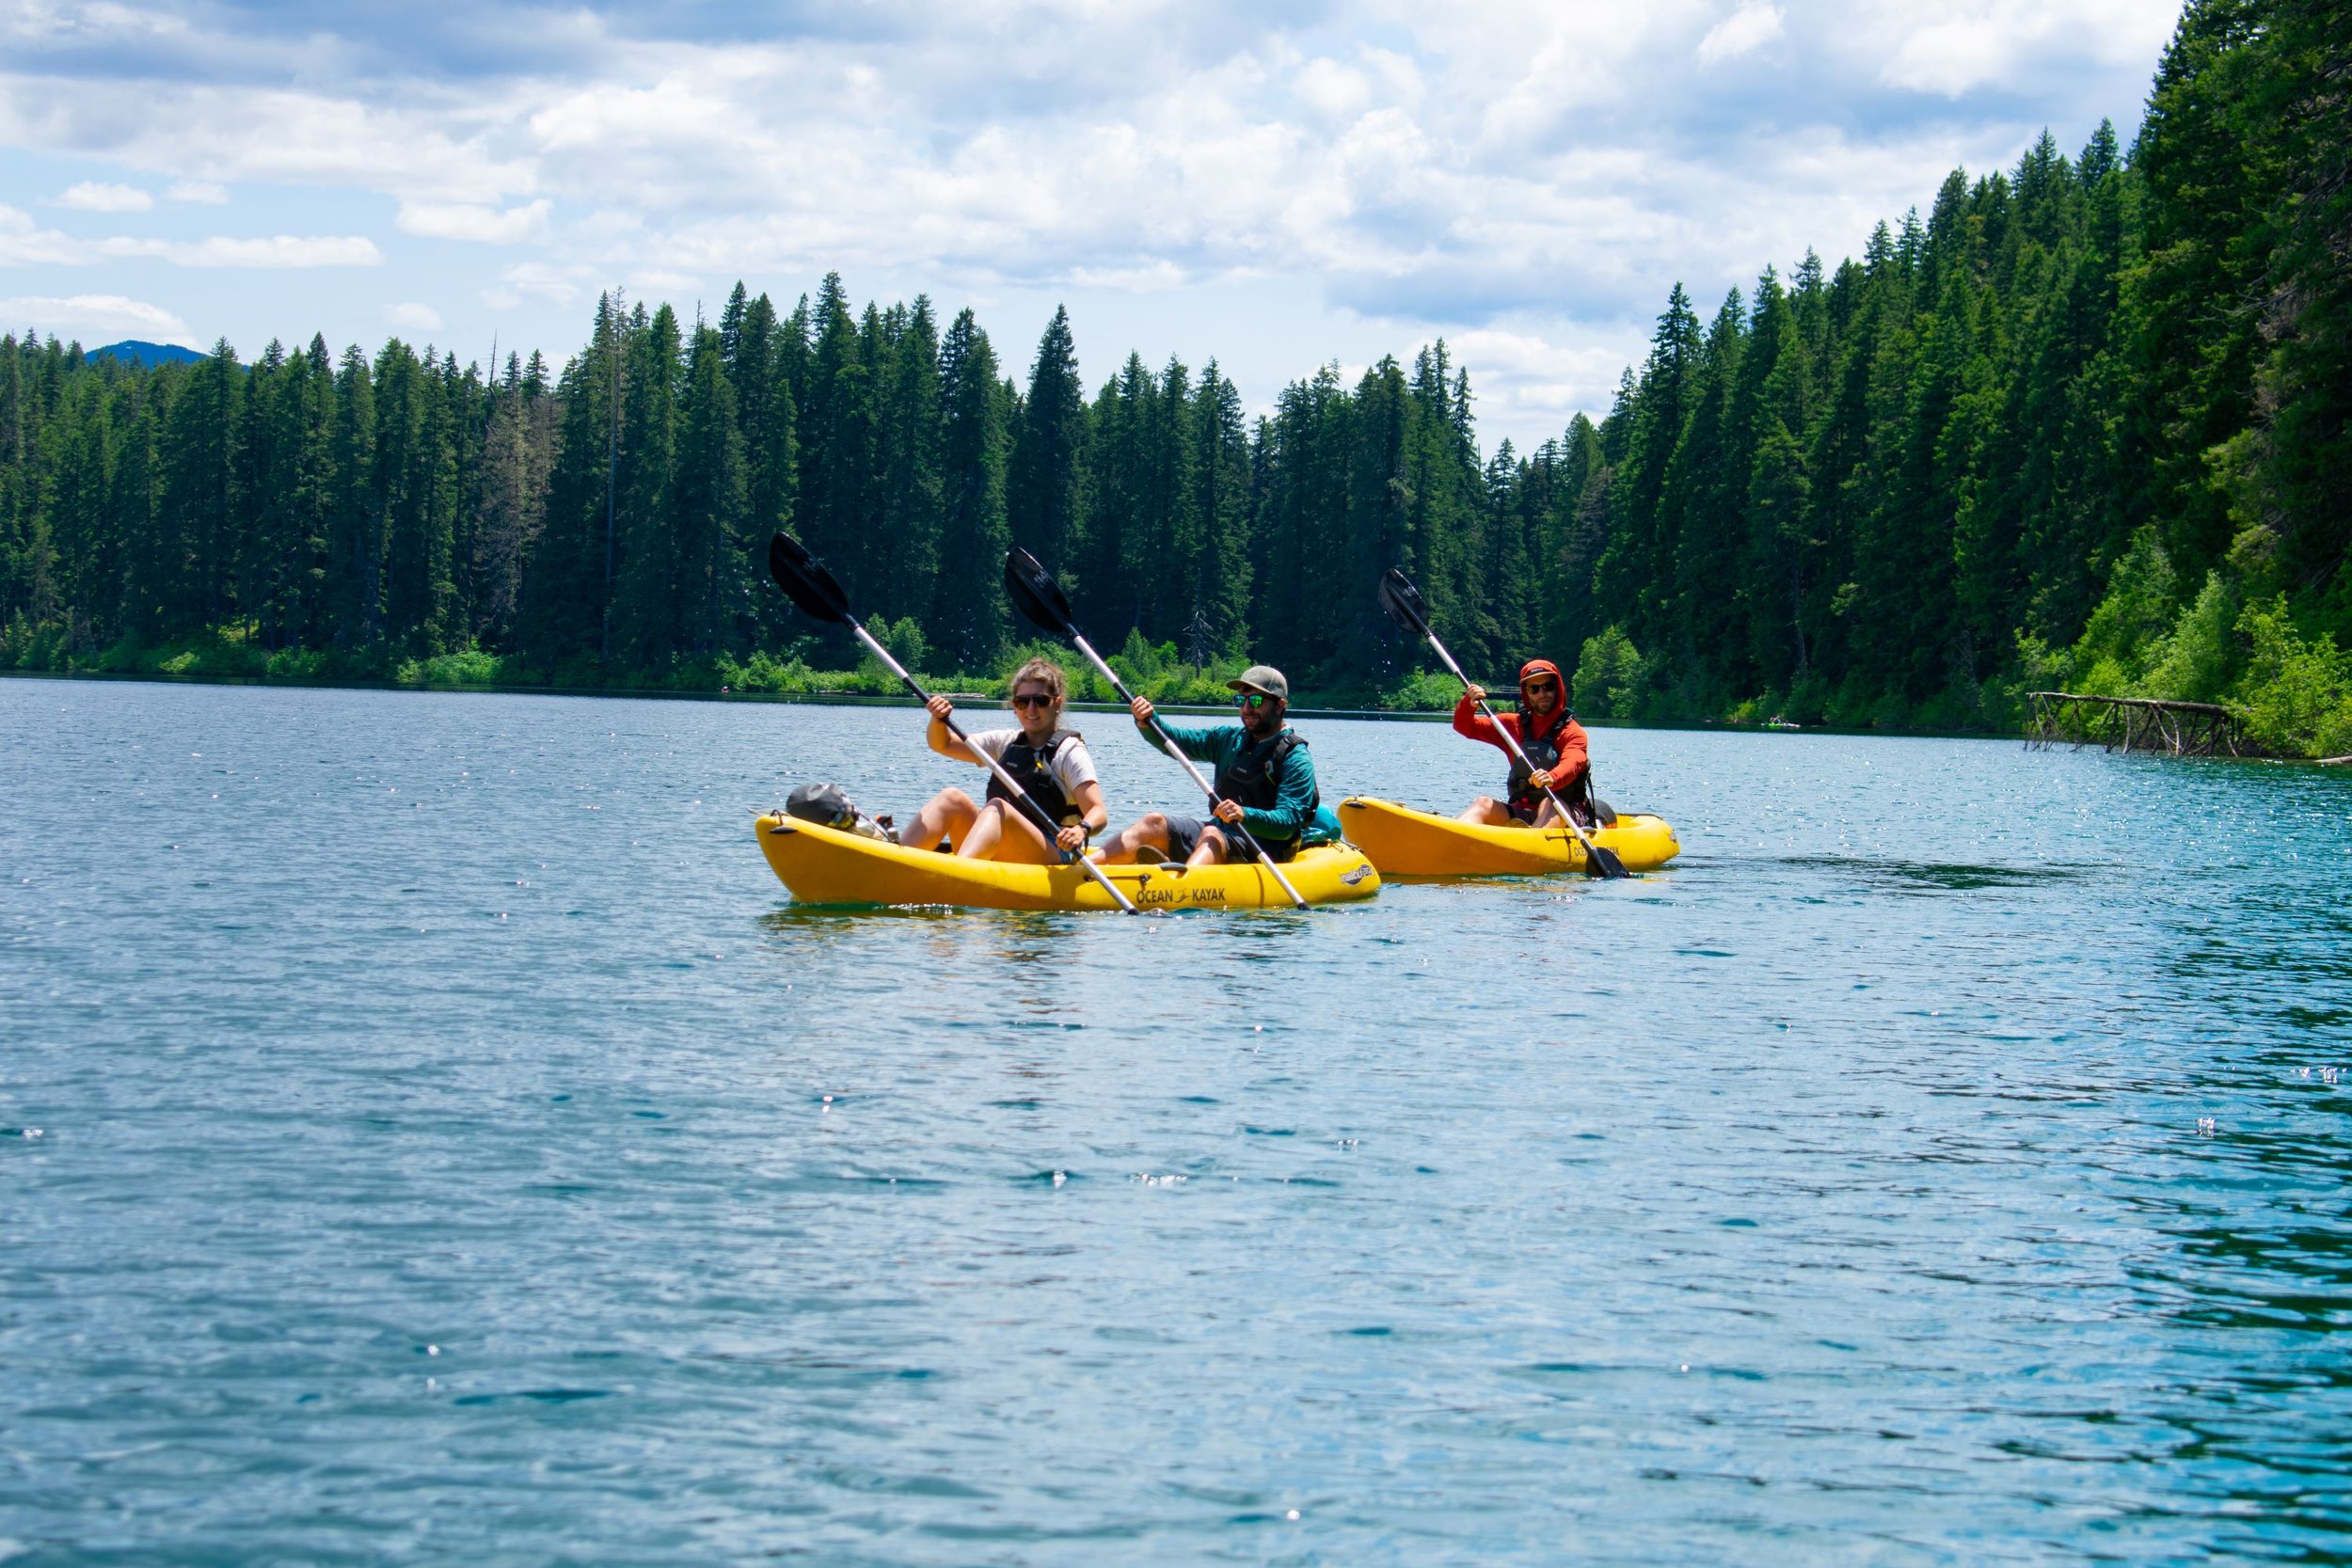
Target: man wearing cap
<point>1265,782</point>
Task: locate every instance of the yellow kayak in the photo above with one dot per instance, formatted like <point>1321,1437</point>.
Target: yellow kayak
<point>1403,842</point>
<point>825,866</point>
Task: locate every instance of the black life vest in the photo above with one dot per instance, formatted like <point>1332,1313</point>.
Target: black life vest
<point>1252,777</point>
<point>1032,767</point>
<point>1543,751</point>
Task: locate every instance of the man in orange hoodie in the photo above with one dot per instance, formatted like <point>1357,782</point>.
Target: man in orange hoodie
<point>1549,736</point>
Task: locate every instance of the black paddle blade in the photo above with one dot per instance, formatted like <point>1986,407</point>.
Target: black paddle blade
<point>1402,601</point>
<point>1035,592</point>
<point>1603,863</point>
<point>804,579</point>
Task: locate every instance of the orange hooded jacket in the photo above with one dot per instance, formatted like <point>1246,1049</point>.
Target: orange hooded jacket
<point>1575,752</point>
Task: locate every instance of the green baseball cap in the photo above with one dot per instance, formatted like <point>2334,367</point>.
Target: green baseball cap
<point>1263,678</point>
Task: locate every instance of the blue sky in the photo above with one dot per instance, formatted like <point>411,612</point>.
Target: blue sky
<point>1276,185</point>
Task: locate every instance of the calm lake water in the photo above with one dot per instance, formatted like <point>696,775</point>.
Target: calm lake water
<point>429,1134</point>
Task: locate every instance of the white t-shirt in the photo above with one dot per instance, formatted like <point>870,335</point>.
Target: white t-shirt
<point>1071,767</point>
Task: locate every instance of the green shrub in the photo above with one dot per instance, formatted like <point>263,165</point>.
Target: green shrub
<point>906,642</point>
<point>470,667</point>
<point>2134,616</point>
<point>1610,676</point>
<point>1808,701</point>
<point>2296,694</point>
<point>2193,662</point>
<point>1422,692</point>
<point>1141,662</point>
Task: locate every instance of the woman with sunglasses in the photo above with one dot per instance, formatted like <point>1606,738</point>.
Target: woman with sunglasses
<point>1547,732</point>
<point>1050,763</point>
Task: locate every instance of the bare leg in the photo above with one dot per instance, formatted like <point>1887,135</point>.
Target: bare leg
<point>1211,849</point>
<point>1003,832</point>
<point>1488,811</point>
<point>1127,845</point>
<point>947,814</point>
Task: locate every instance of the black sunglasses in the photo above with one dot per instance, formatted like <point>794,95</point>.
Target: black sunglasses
<point>1541,685</point>
<point>1034,699</point>
<point>1254,699</point>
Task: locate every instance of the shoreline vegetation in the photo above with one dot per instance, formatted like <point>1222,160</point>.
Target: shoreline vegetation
<point>2085,425</point>
<point>870,686</point>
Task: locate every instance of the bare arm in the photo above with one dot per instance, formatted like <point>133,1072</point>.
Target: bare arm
<point>1093,816</point>
<point>940,740</point>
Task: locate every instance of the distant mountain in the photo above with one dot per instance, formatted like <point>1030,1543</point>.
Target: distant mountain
<point>131,351</point>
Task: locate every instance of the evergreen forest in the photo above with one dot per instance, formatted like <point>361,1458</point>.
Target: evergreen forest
<point>2081,425</point>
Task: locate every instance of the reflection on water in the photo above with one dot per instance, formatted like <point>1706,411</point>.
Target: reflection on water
<point>1909,876</point>
<point>427,1130</point>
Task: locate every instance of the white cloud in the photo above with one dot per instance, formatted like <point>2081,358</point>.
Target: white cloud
<point>1333,89</point>
<point>1537,169</point>
<point>539,280</point>
<point>657,282</point>
<point>275,250</point>
<point>25,244</point>
<point>204,193</point>
<point>462,221</point>
<point>96,319</point>
<point>22,243</point>
<point>1745,31</point>
<point>93,195</point>
<point>1955,49</point>
<point>239,132</point>
<point>414,317</point>
<point>1538,381</point>
<point>1143,277</point>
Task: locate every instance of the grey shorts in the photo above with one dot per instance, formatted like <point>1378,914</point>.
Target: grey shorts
<point>1184,837</point>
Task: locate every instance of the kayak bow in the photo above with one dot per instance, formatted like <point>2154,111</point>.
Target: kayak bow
<point>1403,842</point>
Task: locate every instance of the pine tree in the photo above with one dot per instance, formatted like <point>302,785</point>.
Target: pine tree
<point>1116,548</point>
<point>837,437</point>
<point>646,591</point>
<point>201,523</point>
<point>518,450</point>
<point>1215,563</point>
<point>80,518</point>
<point>354,585</point>
<point>910,480</point>
<point>563,615</point>
<point>711,504</point>
<point>968,620</point>
<point>1042,483</point>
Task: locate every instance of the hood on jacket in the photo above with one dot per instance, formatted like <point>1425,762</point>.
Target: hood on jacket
<point>1544,667</point>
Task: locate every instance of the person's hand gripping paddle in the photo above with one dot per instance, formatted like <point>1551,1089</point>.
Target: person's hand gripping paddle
<point>807,584</point>
<point>1040,597</point>
<point>1401,600</point>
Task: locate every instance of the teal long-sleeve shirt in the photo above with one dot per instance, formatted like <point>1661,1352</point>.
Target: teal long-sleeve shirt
<point>1293,813</point>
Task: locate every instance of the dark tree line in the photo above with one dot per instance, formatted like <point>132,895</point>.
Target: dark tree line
<point>2083,422</point>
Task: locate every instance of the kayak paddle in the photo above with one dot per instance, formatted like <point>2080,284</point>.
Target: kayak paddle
<point>1401,600</point>
<point>1040,598</point>
<point>807,584</point>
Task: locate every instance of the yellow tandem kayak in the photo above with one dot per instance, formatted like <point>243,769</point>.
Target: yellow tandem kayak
<point>825,866</point>
<point>1403,842</point>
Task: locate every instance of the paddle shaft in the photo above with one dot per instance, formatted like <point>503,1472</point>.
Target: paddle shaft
<point>1511,743</point>
<point>1020,796</point>
<point>1177,751</point>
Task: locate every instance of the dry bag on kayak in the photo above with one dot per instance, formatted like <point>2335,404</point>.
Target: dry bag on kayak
<point>828,805</point>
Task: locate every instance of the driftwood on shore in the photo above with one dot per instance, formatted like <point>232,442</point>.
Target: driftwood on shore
<point>2134,724</point>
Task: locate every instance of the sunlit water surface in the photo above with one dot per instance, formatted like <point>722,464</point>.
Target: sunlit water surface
<point>428,1133</point>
